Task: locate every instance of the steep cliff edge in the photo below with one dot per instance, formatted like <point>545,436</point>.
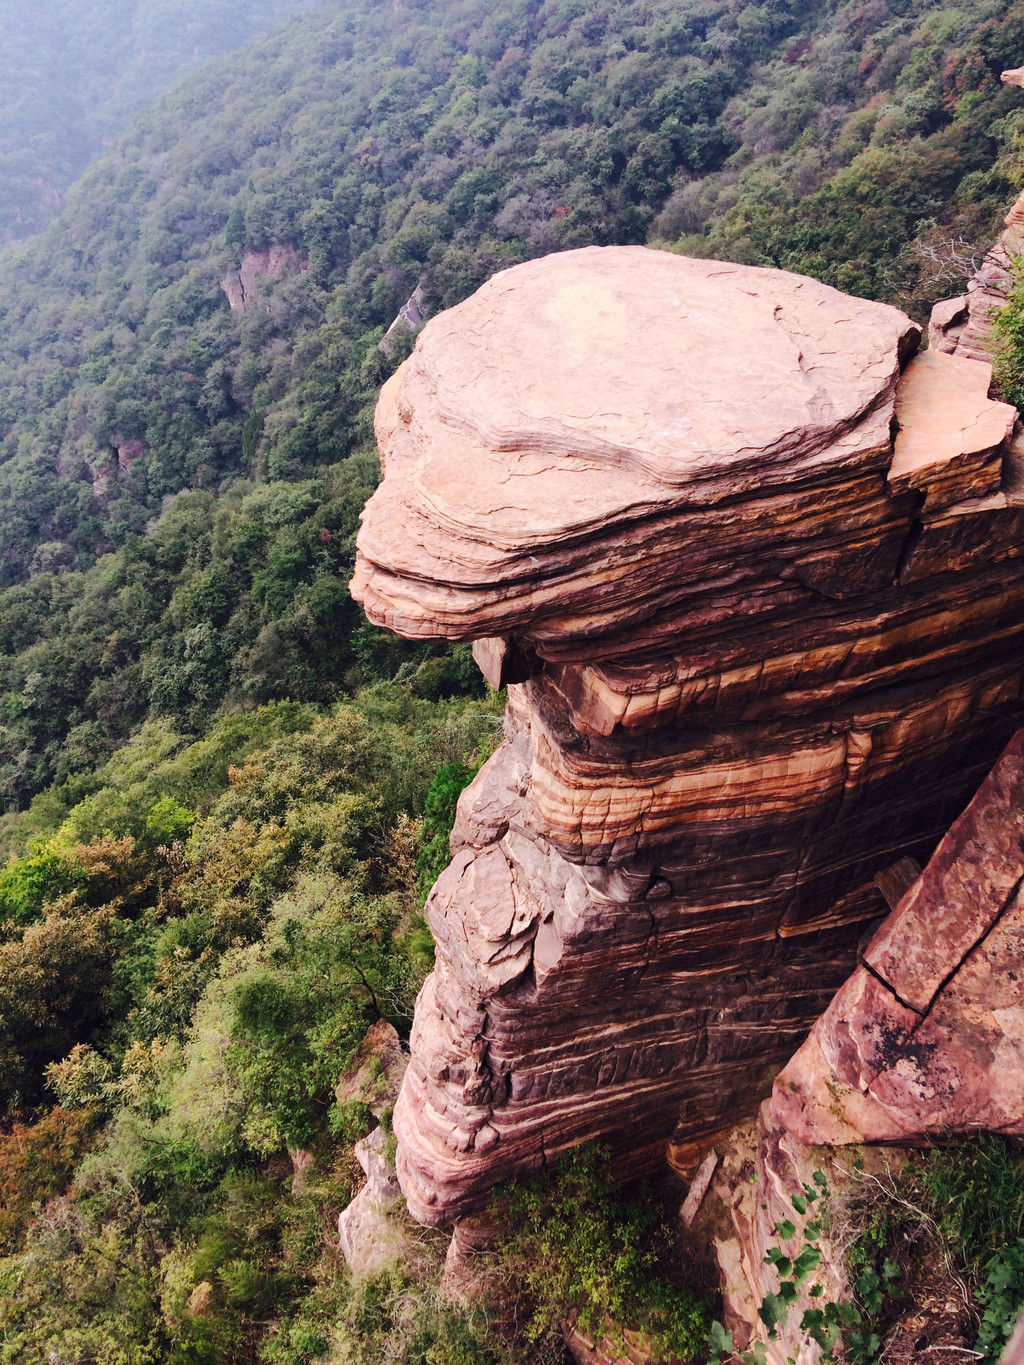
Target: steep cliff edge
<point>927,1036</point>
<point>759,648</point>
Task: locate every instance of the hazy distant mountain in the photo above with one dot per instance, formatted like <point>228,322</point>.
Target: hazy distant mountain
<point>74,72</point>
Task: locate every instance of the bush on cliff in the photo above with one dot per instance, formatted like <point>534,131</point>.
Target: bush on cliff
<point>585,1255</point>
<point>1008,370</point>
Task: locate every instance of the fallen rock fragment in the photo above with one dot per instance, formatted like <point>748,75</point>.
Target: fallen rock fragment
<point>782,1168</point>
<point>374,1075</point>
<point>952,437</point>
<point>698,1188</point>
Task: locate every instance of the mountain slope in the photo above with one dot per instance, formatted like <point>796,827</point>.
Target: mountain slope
<point>72,74</point>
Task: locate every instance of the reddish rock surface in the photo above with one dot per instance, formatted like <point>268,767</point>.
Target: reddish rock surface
<point>927,1036</point>
<point>242,286</point>
<point>751,668</point>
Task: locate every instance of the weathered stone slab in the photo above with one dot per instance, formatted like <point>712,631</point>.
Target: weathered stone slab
<point>928,1036</point>
<point>952,437</point>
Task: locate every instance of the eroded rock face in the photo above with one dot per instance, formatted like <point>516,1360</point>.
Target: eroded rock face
<point>927,1036</point>
<point>242,286</point>
<point>963,326</point>
<point>757,655</point>
<point>367,1238</point>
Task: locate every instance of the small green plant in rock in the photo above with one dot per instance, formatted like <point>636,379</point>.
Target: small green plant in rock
<point>833,1326</point>
<point>1001,1295</point>
<point>975,1192</point>
<point>582,1253</point>
<point>1008,326</point>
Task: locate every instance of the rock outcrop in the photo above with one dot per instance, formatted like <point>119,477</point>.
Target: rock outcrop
<point>927,1036</point>
<point>758,651</point>
<point>242,286</point>
<point>410,316</point>
<point>366,1236</point>
<point>962,326</point>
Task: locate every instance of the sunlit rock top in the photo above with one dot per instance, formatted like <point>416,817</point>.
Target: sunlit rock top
<point>579,397</point>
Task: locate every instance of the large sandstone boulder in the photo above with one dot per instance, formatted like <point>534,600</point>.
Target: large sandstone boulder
<point>758,653</point>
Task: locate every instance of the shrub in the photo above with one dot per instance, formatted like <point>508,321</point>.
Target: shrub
<point>1008,326</point>
<point>438,822</point>
<point>586,1254</point>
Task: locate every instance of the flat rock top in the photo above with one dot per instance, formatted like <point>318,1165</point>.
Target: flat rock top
<point>675,366</point>
<point>678,369</point>
<point>947,423</point>
<point>587,390</point>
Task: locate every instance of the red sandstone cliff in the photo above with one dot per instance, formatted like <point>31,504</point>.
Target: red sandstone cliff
<point>759,649</point>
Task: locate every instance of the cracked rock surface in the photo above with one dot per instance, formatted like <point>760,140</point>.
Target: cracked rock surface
<point>752,662</point>
<point>927,1036</point>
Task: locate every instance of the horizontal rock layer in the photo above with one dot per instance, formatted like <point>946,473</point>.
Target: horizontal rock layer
<point>927,1036</point>
<point>758,651</point>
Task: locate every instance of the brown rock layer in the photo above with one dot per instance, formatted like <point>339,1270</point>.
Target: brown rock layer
<point>757,655</point>
<point>927,1036</point>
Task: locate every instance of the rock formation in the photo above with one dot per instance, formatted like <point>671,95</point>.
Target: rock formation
<point>758,647</point>
<point>963,326</point>
<point>925,1040</point>
<point>242,286</point>
<point>763,1168</point>
<point>410,316</point>
<point>368,1238</point>
<point>927,1036</point>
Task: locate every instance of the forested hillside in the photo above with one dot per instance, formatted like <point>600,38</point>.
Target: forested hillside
<point>225,793</point>
<point>74,72</point>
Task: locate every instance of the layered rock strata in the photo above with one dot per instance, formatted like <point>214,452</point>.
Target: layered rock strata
<point>759,649</point>
<point>926,1038</point>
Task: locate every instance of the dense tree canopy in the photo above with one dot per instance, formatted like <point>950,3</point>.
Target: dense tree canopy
<point>179,482</point>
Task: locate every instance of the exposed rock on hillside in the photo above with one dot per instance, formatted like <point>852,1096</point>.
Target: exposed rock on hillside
<point>242,286</point>
<point>754,662</point>
<point>963,326</point>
